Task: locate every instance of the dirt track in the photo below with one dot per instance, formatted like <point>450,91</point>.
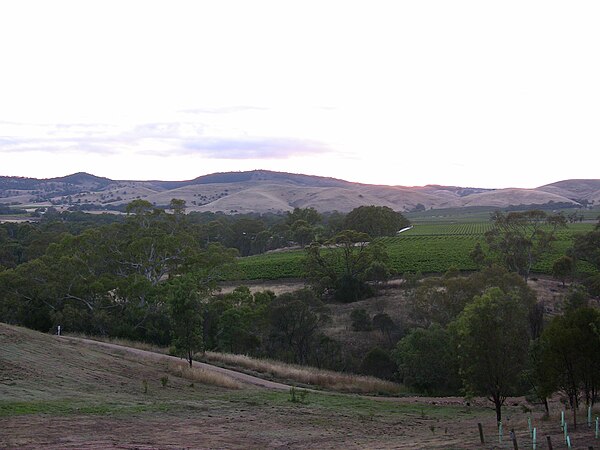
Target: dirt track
<point>241,377</point>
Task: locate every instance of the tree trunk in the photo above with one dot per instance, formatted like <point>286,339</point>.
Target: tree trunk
<point>498,405</point>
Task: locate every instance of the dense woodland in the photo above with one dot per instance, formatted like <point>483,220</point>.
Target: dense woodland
<point>152,275</point>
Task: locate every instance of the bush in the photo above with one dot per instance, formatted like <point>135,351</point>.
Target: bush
<point>379,363</point>
<point>361,320</point>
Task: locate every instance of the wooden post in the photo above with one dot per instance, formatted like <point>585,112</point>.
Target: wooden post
<point>513,436</point>
<point>481,437</point>
<point>549,439</point>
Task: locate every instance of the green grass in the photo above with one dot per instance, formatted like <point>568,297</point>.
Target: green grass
<point>354,405</point>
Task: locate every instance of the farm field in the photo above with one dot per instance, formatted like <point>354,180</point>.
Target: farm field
<point>429,247</point>
<point>59,393</point>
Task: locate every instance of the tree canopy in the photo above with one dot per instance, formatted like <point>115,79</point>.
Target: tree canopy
<point>519,238</point>
<point>376,221</point>
<point>342,264</point>
<point>492,342</point>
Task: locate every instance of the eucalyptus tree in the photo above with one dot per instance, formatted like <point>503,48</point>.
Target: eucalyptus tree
<point>492,342</point>
<point>519,239</point>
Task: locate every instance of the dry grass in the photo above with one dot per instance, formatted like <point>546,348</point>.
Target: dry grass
<point>326,379</point>
<point>311,376</point>
<point>124,342</point>
<point>183,370</point>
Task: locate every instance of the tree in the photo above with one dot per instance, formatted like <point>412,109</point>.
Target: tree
<point>361,320</point>
<point>241,320</point>
<point>295,319</point>
<point>375,221</point>
<point>308,215</point>
<point>177,206</point>
<point>492,344</point>
<point>243,233</point>
<point>520,238</point>
<point>587,248</point>
<point>426,360</point>
<point>378,363</point>
<point>342,265</point>
<point>441,299</point>
<point>302,232</point>
<point>184,300</point>
<point>563,268</point>
<point>384,323</point>
<point>569,357</point>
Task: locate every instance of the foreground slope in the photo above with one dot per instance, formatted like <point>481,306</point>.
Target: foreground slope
<point>64,393</point>
<point>59,393</point>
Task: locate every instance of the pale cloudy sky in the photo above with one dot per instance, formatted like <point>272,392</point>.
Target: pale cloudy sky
<point>471,93</point>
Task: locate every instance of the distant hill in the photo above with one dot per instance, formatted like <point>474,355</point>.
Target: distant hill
<point>267,191</point>
<point>581,191</point>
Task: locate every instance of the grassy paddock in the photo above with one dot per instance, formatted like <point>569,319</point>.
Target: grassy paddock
<point>326,379</point>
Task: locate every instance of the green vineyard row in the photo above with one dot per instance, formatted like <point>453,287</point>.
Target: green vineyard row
<point>424,248</point>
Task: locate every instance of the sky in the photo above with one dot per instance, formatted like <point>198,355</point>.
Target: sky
<point>468,93</point>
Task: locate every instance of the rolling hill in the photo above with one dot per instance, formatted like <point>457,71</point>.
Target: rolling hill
<point>266,191</point>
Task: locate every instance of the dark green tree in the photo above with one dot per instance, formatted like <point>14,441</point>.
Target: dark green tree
<point>563,269</point>
<point>378,363</point>
<point>569,357</point>
<point>308,215</point>
<point>427,361</point>
<point>375,221</point>
<point>492,343</point>
<point>342,265</point>
<point>295,319</point>
<point>361,321</point>
<point>184,299</point>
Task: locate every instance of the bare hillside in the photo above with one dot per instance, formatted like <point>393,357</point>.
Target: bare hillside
<point>265,191</point>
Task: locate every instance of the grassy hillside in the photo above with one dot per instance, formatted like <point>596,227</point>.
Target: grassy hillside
<point>60,393</point>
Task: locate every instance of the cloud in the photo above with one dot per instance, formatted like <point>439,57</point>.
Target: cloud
<point>253,147</point>
<point>154,139</point>
<point>224,110</point>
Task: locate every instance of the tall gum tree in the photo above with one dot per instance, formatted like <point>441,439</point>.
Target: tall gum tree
<point>520,238</point>
<point>492,342</point>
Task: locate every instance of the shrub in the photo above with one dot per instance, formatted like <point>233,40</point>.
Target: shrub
<point>361,320</point>
<point>379,363</point>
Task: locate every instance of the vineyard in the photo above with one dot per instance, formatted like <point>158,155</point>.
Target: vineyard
<point>426,248</point>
